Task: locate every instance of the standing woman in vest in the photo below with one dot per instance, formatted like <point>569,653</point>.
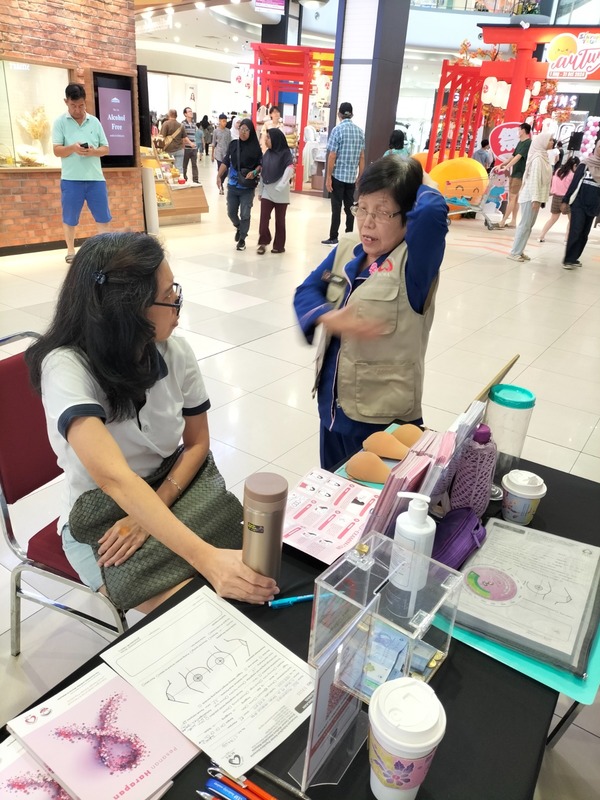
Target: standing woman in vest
<point>583,196</point>
<point>374,300</point>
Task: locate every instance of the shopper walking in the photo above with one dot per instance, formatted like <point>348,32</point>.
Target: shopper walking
<point>79,141</point>
<point>345,163</point>
<point>274,190</point>
<point>561,180</point>
<point>243,159</point>
<point>583,196</point>
<point>220,144</point>
<point>208,130</point>
<point>190,150</point>
<point>484,155</point>
<point>274,121</point>
<point>535,190</point>
<point>174,137</point>
<point>516,166</point>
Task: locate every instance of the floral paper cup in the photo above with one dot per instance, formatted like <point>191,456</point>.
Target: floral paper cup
<point>407,722</point>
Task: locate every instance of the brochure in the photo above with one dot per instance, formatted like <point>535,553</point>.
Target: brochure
<point>535,592</point>
<point>100,738</point>
<point>219,678</point>
<point>326,514</point>
<point>22,776</point>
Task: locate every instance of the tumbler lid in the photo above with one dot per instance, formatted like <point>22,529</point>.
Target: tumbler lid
<point>266,487</point>
<point>505,394</point>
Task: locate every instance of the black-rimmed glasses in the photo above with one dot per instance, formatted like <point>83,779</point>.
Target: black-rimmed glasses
<point>178,299</point>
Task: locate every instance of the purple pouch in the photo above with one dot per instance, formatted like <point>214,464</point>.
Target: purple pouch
<point>457,535</point>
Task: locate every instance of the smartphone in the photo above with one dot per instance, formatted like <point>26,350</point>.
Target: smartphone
<point>86,145</point>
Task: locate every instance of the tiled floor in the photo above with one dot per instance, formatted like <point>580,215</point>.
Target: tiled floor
<point>238,318</point>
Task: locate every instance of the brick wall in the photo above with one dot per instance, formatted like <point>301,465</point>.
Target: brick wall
<point>82,35</point>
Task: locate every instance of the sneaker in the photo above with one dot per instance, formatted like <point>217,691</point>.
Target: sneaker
<point>236,238</point>
<point>329,241</point>
<point>241,245</point>
<point>261,249</point>
<point>571,266</point>
<point>221,191</point>
<point>278,251</point>
<point>197,183</point>
<point>541,240</point>
<point>578,263</point>
<point>525,257</point>
<point>516,258</point>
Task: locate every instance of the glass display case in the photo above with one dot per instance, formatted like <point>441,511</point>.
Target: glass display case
<point>31,98</point>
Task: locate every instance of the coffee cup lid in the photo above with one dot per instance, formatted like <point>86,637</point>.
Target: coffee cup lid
<point>408,714</point>
<point>524,484</point>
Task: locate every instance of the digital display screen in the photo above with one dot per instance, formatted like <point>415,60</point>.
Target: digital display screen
<point>114,108</point>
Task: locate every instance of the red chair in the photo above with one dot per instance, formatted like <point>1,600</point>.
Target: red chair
<point>27,463</point>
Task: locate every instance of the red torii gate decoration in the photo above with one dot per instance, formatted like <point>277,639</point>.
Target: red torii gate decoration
<point>287,68</point>
<point>466,82</point>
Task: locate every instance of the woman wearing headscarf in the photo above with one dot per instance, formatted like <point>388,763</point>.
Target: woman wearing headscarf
<point>243,160</point>
<point>207,132</point>
<point>535,190</point>
<point>583,196</point>
<point>274,190</point>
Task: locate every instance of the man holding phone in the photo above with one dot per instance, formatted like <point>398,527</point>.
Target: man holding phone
<point>79,141</point>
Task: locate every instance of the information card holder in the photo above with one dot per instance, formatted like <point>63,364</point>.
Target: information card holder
<point>381,612</point>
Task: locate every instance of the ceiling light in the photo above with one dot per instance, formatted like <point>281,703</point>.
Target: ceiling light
<point>200,6</point>
<point>169,11</point>
<point>235,2</point>
<point>235,38</point>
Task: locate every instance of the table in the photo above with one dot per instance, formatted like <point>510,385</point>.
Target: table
<point>498,719</point>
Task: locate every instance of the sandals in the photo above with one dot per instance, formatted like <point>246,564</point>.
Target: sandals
<point>69,258</point>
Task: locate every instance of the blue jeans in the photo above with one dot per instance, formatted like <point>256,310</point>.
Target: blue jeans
<point>178,158</point>
<point>239,208</point>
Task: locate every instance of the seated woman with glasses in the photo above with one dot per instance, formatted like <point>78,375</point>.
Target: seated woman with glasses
<point>120,394</point>
<point>375,302</point>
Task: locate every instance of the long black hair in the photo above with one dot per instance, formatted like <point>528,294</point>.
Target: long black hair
<point>399,176</point>
<point>567,167</point>
<point>101,312</point>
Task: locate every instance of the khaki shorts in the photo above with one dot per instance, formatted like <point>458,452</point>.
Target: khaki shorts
<point>514,185</point>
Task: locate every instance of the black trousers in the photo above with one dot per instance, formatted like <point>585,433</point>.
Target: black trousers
<point>579,230</point>
<point>189,157</point>
<point>342,194</point>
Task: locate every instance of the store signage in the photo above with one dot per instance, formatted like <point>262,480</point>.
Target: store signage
<point>114,113</point>
<point>270,5</point>
<point>503,139</point>
<point>572,56</point>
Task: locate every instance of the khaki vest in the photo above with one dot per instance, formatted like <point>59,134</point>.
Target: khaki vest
<point>380,379</point>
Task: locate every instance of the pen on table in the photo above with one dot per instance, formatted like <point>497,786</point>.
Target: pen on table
<point>226,792</point>
<point>290,601</point>
<point>239,786</point>
<point>215,771</point>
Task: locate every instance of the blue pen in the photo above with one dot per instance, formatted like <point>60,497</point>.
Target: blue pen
<point>222,790</point>
<point>291,601</point>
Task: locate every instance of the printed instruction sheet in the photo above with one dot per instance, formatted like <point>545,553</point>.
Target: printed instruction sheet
<point>219,678</point>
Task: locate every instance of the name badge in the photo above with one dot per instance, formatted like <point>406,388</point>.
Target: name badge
<point>329,277</point>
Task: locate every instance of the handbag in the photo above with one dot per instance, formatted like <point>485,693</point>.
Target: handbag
<point>457,535</point>
<point>246,183</point>
<point>168,139</point>
<point>205,506</point>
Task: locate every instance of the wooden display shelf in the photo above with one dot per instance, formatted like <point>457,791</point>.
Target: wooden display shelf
<point>186,200</point>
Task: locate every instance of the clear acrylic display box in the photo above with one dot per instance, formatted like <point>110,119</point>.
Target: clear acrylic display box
<point>391,611</point>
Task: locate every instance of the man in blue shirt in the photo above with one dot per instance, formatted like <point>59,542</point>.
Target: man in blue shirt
<point>345,162</point>
<point>79,140</point>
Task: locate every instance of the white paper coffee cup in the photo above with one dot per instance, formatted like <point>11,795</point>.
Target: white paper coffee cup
<point>522,492</point>
<point>407,722</point>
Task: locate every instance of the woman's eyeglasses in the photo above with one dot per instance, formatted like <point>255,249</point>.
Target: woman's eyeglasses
<point>177,290</point>
<point>379,216</point>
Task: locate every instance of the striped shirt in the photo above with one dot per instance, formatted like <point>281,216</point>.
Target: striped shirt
<point>347,141</point>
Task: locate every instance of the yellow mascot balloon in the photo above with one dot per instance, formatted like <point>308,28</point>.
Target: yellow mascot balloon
<point>462,181</point>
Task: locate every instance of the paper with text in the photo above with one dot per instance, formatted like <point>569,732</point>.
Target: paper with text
<point>219,678</point>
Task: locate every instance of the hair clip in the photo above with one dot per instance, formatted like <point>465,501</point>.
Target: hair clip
<point>99,277</point>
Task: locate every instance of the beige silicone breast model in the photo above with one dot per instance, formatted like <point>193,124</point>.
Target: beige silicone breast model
<point>365,466</point>
<point>385,445</point>
<point>408,434</point>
